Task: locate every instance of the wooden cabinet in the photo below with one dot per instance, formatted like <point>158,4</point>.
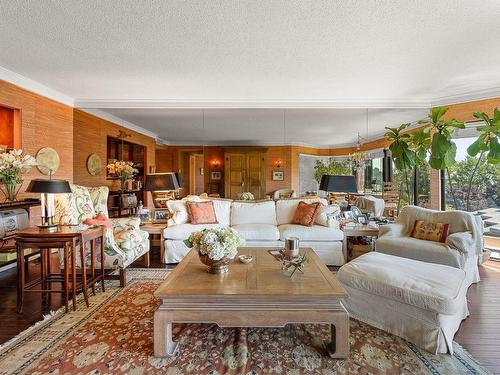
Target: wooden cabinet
<point>245,172</point>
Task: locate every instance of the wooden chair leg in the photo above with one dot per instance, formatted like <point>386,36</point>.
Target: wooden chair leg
<point>123,277</point>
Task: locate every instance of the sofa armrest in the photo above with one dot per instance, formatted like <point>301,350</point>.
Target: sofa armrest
<point>461,241</point>
<point>392,230</point>
<point>125,223</point>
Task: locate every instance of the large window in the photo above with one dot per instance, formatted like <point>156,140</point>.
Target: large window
<point>374,182</point>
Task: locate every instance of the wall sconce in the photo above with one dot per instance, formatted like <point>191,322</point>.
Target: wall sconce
<point>278,163</point>
<point>215,163</point>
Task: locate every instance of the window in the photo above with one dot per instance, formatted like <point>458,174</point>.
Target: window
<point>374,182</point>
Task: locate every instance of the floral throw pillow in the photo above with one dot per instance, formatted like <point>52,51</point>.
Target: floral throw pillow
<point>201,212</point>
<point>99,196</point>
<point>424,230</point>
<point>305,214</point>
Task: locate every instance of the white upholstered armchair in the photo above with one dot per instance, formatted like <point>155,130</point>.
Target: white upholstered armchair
<point>123,245</point>
<point>462,247</point>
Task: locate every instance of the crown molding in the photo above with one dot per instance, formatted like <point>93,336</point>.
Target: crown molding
<point>470,96</point>
<point>118,121</point>
<point>35,87</point>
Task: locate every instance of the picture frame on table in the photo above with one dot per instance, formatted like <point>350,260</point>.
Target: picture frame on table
<point>348,215</point>
<point>278,175</point>
<point>160,215</point>
<point>362,219</point>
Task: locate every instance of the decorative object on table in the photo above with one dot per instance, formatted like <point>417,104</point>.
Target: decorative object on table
<point>355,212</point>
<point>47,160</point>
<point>246,196</point>
<point>339,184</point>
<point>216,247</point>
<point>13,164</point>
<point>47,189</point>
<point>215,176</point>
<point>245,258</point>
<point>278,175</point>
<point>291,248</point>
<point>295,264</point>
<point>362,219</point>
<point>348,215</point>
<point>143,213</point>
<point>162,187</point>
<point>160,215</point>
<point>124,170</point>
<point>94,164</point>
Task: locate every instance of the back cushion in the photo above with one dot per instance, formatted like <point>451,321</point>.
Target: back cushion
<point>222,209</point>
<point>74,208</point>
<point>201,212</point>
<point>285,208</point>
<point>253,213</point>
<point>99,197</point>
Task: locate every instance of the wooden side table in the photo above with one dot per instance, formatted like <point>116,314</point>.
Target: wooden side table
<point>67,238</point>
<point>157,231</point>
<point>354,230</point>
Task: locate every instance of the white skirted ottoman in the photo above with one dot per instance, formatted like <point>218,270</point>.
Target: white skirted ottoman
<point>421,302</point>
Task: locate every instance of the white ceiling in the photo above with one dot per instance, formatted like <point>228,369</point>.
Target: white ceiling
<point>133,56</point>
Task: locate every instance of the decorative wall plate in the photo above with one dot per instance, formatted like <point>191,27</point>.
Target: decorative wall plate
<point>94,164</point>
<point>48,160</point>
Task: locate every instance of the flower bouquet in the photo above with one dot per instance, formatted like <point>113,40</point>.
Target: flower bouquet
<point>124,170</point>
<point>13,165</point>
<point>216,247</point>
<point>246,196</point>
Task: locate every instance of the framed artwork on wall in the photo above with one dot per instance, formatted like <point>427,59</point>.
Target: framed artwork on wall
<point>216,176</point>
<point>278,175</point>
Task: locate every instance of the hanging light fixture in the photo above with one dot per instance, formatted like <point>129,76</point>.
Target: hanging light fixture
<point>358,158</point>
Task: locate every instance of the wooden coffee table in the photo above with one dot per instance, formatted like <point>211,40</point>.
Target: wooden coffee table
<point>258,294</point>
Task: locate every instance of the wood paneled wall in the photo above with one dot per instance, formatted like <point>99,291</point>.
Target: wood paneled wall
<point>90,136</point>
<point>465,111</point>
<point>43,122</point>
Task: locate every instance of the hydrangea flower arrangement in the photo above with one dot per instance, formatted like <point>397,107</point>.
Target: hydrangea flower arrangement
<point>247,196</point>
<point>216,243</point>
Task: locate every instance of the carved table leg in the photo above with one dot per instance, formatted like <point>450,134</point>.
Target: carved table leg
<point>339,346</point>
<point>163,343</point>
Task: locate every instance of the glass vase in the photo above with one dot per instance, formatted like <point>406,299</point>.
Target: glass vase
<point>10,189</point>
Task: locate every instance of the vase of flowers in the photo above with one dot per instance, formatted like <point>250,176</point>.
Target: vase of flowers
<point>216,247</point>
<point>13,164</point>
<point>124,170</point>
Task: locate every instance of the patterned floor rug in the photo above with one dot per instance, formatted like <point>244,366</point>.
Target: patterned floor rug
<point>114,336</point>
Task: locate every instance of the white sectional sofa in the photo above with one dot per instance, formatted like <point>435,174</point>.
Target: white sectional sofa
<point>263,224</point>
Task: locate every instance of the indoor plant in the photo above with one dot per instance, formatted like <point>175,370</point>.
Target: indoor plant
<point>216,247</point>
<point>13,164</point>
<point>124,170</point>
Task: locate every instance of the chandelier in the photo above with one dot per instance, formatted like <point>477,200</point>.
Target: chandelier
<point>358,158</point>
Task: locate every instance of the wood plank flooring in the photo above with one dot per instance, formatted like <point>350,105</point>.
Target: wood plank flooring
<point>479,334</point>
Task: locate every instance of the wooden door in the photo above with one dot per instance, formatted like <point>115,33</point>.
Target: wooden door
<point>235,174</point>
<point>255,179</point>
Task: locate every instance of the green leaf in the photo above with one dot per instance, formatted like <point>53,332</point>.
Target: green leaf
<point>440,145</point>
<point>482,116</point>
<point>494,154</point>
<point>476,147</point>
<point>436,163</point>
<point>188,244</point>
<point>437,113</point>
<point>451,153</point>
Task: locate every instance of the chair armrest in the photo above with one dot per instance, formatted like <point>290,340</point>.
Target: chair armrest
<point>461,241</point>
<point>125,223</point>
<point>392,230</point>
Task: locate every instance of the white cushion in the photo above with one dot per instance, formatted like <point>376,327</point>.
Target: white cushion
<point>326,216</point>
<point>222,210</point>
<point>179,211</point>
<point>258,232</point>
<point>429,286</point>
<point>314,233</point>
<point>285,208</point>
<point>183,231</point>
<point>253,213</point>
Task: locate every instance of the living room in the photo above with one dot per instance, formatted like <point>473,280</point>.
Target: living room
<point>216,187</point>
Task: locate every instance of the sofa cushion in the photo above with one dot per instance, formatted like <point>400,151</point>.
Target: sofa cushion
<point>258,232</point>
<point>285,208</point>
<point>201,212</point>
<point>183,231</point>
<point>253,213</point>
<point>222,209</point>
<point>326,216</point>
<point>99,196</point>
<point>314,233</point>
<point>305,213</point>
<point>426,251</point>
<point>424,230</point>
<point>425,285</point>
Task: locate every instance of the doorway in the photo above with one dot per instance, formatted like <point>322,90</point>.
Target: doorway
<point>196,174</point>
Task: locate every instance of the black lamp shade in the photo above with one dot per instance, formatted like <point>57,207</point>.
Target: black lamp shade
<point>161,182</point>
<point>338,184</point>
<point>49,186</point>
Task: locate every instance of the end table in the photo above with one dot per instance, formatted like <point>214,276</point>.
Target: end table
<point>354,230</point>
<point>157,231</point>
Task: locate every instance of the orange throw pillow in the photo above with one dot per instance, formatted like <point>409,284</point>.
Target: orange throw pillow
<point>100,219</point>
<point>424,230</point>
<point>305,214</point>
<point>201,212</point>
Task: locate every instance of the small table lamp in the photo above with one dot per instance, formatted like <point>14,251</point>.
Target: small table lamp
<point>47,189</point>
<point>339,184</point>
<point>161,182</point>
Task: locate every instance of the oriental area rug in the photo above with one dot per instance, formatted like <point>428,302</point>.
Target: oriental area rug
<point>115,336</point>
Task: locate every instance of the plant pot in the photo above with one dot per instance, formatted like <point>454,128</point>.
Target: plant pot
<point>215,266</point>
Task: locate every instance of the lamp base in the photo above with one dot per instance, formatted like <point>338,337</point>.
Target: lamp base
<point>48,227</point>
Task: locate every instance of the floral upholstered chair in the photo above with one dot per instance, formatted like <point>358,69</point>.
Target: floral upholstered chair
<point>123,245</point>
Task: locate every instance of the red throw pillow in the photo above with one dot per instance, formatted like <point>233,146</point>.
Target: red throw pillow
<point>100,219</point>
<point>424,230</point>
<point>201,212</point>
<point>305,214</point>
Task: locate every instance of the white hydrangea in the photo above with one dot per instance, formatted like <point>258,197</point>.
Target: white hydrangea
<point>217,243</point>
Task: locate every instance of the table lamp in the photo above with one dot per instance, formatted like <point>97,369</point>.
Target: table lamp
<point>158,183</point>
<point>339,184</point>
<point>47,189</point>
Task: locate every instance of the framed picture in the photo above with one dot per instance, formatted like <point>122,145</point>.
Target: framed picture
<point>362,219</point>
<point>278,176</point>
<point>347,215</point>
<point>160,215</point>
<point>215,176</point>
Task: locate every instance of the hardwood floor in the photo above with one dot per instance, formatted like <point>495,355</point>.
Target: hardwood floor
<point>479,334</point>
